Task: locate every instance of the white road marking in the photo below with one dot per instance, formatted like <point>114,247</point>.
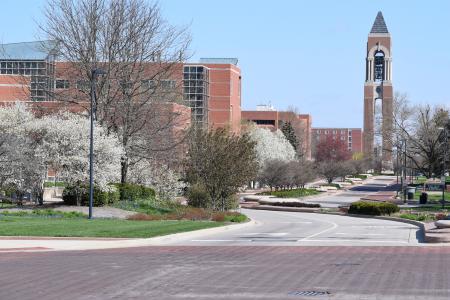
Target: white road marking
<point>334,226</point>
<point>266,233</point>
<point>346,233</point>
<point>221,240</point>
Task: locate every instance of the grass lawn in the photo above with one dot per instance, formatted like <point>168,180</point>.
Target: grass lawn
<point>7,205</point>
<point>294,193</point>
<point>78,227</point>
<point>433,196</point>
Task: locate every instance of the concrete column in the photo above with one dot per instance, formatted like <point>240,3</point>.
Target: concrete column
<point>386,69</point>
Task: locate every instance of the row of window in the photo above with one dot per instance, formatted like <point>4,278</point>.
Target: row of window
<point>146,84</point>
<point>23,68</point>
<point>193,69</point>
<point>342,138</point>
<point>333,131</point>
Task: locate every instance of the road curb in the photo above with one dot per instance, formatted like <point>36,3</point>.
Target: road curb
<point>73,244</point>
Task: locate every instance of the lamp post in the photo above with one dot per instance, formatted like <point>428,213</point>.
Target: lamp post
<point>444,165</point>
<point>94,74</point>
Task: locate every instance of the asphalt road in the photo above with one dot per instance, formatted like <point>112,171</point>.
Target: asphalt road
<point>190,272</point>
<point>276,228</point>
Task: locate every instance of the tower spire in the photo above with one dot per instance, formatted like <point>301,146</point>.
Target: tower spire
<point>379,26</point>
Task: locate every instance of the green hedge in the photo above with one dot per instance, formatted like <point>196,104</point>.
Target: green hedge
<point>294,193</point>
<point>373,208</point>
<point>54,184</point>
<point>100,198</point>
<point>133,192</point>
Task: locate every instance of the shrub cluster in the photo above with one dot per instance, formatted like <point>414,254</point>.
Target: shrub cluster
<point>373,208</point>
<point>132,192</point>
<point>100,198</point>
<point>118,191</point>
<point>197,196</point>
<point>194,214</point>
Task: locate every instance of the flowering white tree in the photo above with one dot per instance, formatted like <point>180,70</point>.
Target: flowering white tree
<point>59,142</point>
<point>166,182</point>
<point>21,164</point>
<point>66,144</point>
<point>271,145</point>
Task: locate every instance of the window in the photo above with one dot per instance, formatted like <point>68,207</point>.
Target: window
<point>265,122</point>
<point>326,132</point>
<point>334,131</point>
<point>379,66</point>
<point>342,138</point>
<point>318,131</point>
<point>168,84</point>
<point>61,84</point>
<point>148,84</point>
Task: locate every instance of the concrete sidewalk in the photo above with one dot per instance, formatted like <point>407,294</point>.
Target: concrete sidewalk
<point>27,244</point>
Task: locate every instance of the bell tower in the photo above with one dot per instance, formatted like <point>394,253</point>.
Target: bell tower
<point>378,95</point>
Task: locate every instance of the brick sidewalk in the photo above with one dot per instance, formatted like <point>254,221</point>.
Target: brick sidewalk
<point>228,273</point>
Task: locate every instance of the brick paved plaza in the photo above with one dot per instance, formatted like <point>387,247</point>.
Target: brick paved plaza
<point>228,273</point>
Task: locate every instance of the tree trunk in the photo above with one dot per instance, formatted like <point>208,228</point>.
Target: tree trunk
<point>124,170</point>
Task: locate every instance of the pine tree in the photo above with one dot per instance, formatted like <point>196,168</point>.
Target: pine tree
<point>289,133</point>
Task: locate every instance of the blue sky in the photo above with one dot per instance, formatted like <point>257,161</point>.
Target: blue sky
<point>308,54</point>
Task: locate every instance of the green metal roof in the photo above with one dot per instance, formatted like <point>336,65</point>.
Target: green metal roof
<point>225,60</point>
<point>38,50</point>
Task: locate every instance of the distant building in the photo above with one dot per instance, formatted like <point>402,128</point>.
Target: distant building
<point>352,137</point>
<point>212,88</point>
<point>273,119</point>
<point>30,72</point>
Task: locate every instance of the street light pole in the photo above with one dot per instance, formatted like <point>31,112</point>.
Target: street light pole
<point>444,166</point>
<point>94,74</point>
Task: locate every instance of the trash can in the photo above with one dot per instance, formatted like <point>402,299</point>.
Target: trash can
<point>423,198</point>
<point>411,191</point>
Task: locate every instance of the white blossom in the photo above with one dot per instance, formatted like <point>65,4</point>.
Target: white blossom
<point>271,145</point>
<point>165,181</point>
<point>59,142</point>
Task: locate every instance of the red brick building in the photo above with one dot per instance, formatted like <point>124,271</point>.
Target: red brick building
<point>268,117</point>
<point>352,137</point>
<point>211,88</point>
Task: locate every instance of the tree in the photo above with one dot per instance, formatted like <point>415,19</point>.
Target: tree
<point>270,145</point>
<point>330,170</point>
<point>166,182</point>
<point>139,51</point>
<point>289,133</point>
<point>420,128</point>
<point>332,149</point>
<point>303,172</point>
<point>65,140</point>
<point>59,142</point>
<point>275,174</point>
<point>221,162</point>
